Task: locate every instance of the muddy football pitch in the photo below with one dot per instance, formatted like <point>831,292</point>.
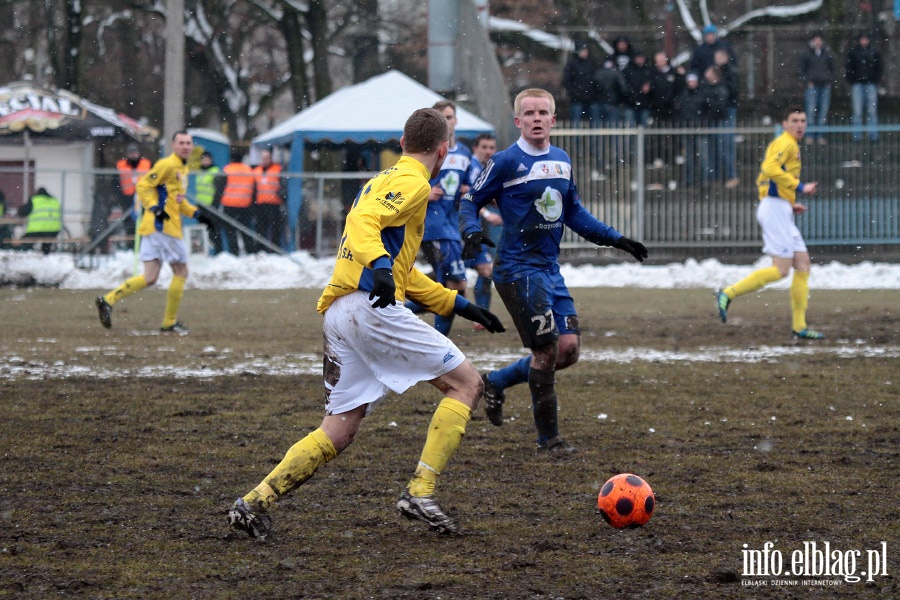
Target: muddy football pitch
<point>774,462</point>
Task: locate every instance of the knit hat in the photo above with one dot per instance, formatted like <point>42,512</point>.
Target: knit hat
<point>710,29</point>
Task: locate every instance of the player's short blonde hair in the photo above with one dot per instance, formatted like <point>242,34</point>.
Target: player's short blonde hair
<point>533,93</point>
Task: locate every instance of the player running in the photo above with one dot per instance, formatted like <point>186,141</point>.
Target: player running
<point>374,344</point>
<point>535,191</point>
<point>779,182</point>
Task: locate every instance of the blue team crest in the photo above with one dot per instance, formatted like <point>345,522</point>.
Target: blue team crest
<point>549,204</point>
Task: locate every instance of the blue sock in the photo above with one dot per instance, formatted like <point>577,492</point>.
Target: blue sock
<point>443,324</point>
<point>415,308</point>
<point>483,292</point>
<point>512,374</point>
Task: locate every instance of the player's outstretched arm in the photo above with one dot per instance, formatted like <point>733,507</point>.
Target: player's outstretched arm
<point>632,247</point>
<point>473,312</point>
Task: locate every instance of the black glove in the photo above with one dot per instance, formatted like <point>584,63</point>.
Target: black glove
<point>383,288</point>
<point>632,247</point>
<point>472,245</point>
<point>473,312</point>
<point>161,215</point>
<point>203,218</point>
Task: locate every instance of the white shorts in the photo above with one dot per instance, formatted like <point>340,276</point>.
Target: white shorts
<point>781,237</point>
<point>164,248</point>
<point>371,350</point>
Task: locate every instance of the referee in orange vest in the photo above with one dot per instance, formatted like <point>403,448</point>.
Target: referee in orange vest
<point>130,170</point>
<point>236,201</point>
<point>270,195</point>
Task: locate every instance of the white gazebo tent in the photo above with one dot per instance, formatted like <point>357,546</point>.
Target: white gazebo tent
<point>372,111</point>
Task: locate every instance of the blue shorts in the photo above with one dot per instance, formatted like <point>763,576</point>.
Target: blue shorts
<point>484,257</point>
<point>445,257</point>
<point>540,306</point>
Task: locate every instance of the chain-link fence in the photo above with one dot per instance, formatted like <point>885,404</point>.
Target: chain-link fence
<point>689,191</point>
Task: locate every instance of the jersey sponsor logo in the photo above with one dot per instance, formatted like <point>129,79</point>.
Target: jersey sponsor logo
<point>448,357</point>
<point>450,183</point>
<point>391,201</point>
<point>549,205</point>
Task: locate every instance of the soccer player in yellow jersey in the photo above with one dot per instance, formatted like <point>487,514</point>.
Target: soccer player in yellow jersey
<point>373,343</point>
<point>162,194</point>
<point>779,183</point>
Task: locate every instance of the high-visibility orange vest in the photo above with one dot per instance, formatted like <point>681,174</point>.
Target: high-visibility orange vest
<point>268,182</point>
<point>128,176</point>
<point>238,191</point>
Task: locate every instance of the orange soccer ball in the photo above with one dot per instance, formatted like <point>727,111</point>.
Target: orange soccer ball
<point>626,500</point>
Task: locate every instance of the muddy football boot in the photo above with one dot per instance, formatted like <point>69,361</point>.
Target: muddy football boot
<point>255,524</point>
<point>428,510</point>
<point>809,334</point>
<point>722,303</point>
<point>104,309</point>
<point>176,327</point>
<point>493,401</point>
<point>557,445</point>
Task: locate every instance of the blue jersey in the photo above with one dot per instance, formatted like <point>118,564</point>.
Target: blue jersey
<point>442,218</point>
<point>537,197</point>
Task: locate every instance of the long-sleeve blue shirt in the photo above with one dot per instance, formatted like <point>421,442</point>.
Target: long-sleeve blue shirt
<point>537,198</point>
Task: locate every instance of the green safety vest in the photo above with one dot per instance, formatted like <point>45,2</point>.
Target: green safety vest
<point>45,215</point>
<point>206,185</point>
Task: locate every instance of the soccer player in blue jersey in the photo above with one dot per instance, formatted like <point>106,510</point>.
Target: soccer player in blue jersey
<point>374,344</point>
<point>535,190</point>
<point>442,244</point>
<point>483,148</point>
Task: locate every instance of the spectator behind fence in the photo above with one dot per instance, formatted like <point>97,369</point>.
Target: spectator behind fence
<point>612,93</point>
<point>715,114</point>
<point>637,76</point>
<point>704,54</point>
<point>206,181</point>
<point>578,79</point>
<point>727,151</point>
<point>270,198</point>
<point>816,71</point>
<point>44,214</point>
<point>236,199</point>
<point>622,53</point>
<point>863,71</point>
<point>666,83</point>
<point>690,108</point>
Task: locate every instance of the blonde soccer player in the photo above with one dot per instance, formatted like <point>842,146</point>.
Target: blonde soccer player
<point>779,183</point>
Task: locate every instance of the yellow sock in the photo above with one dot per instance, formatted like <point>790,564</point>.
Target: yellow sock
<point>299,464</point>
<point>799,299</point>
<point>131,286</point>
<point>448,426</point>
<point>753,282</point>
<point>173,300</point>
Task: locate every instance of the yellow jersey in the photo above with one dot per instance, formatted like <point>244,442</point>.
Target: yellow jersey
<point>164,185</point>
<point>779,173</point>
<point>388,220</point>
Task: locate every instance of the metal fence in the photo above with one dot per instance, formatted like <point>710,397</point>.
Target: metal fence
<point>696,188</point>
<point>672,188</point>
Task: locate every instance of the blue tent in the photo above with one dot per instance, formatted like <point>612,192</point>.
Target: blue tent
<point>372,111</point>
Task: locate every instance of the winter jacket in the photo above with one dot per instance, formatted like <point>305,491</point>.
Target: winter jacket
<point>817,68</point>
<point>578,79</point>
<point>863,65</point>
